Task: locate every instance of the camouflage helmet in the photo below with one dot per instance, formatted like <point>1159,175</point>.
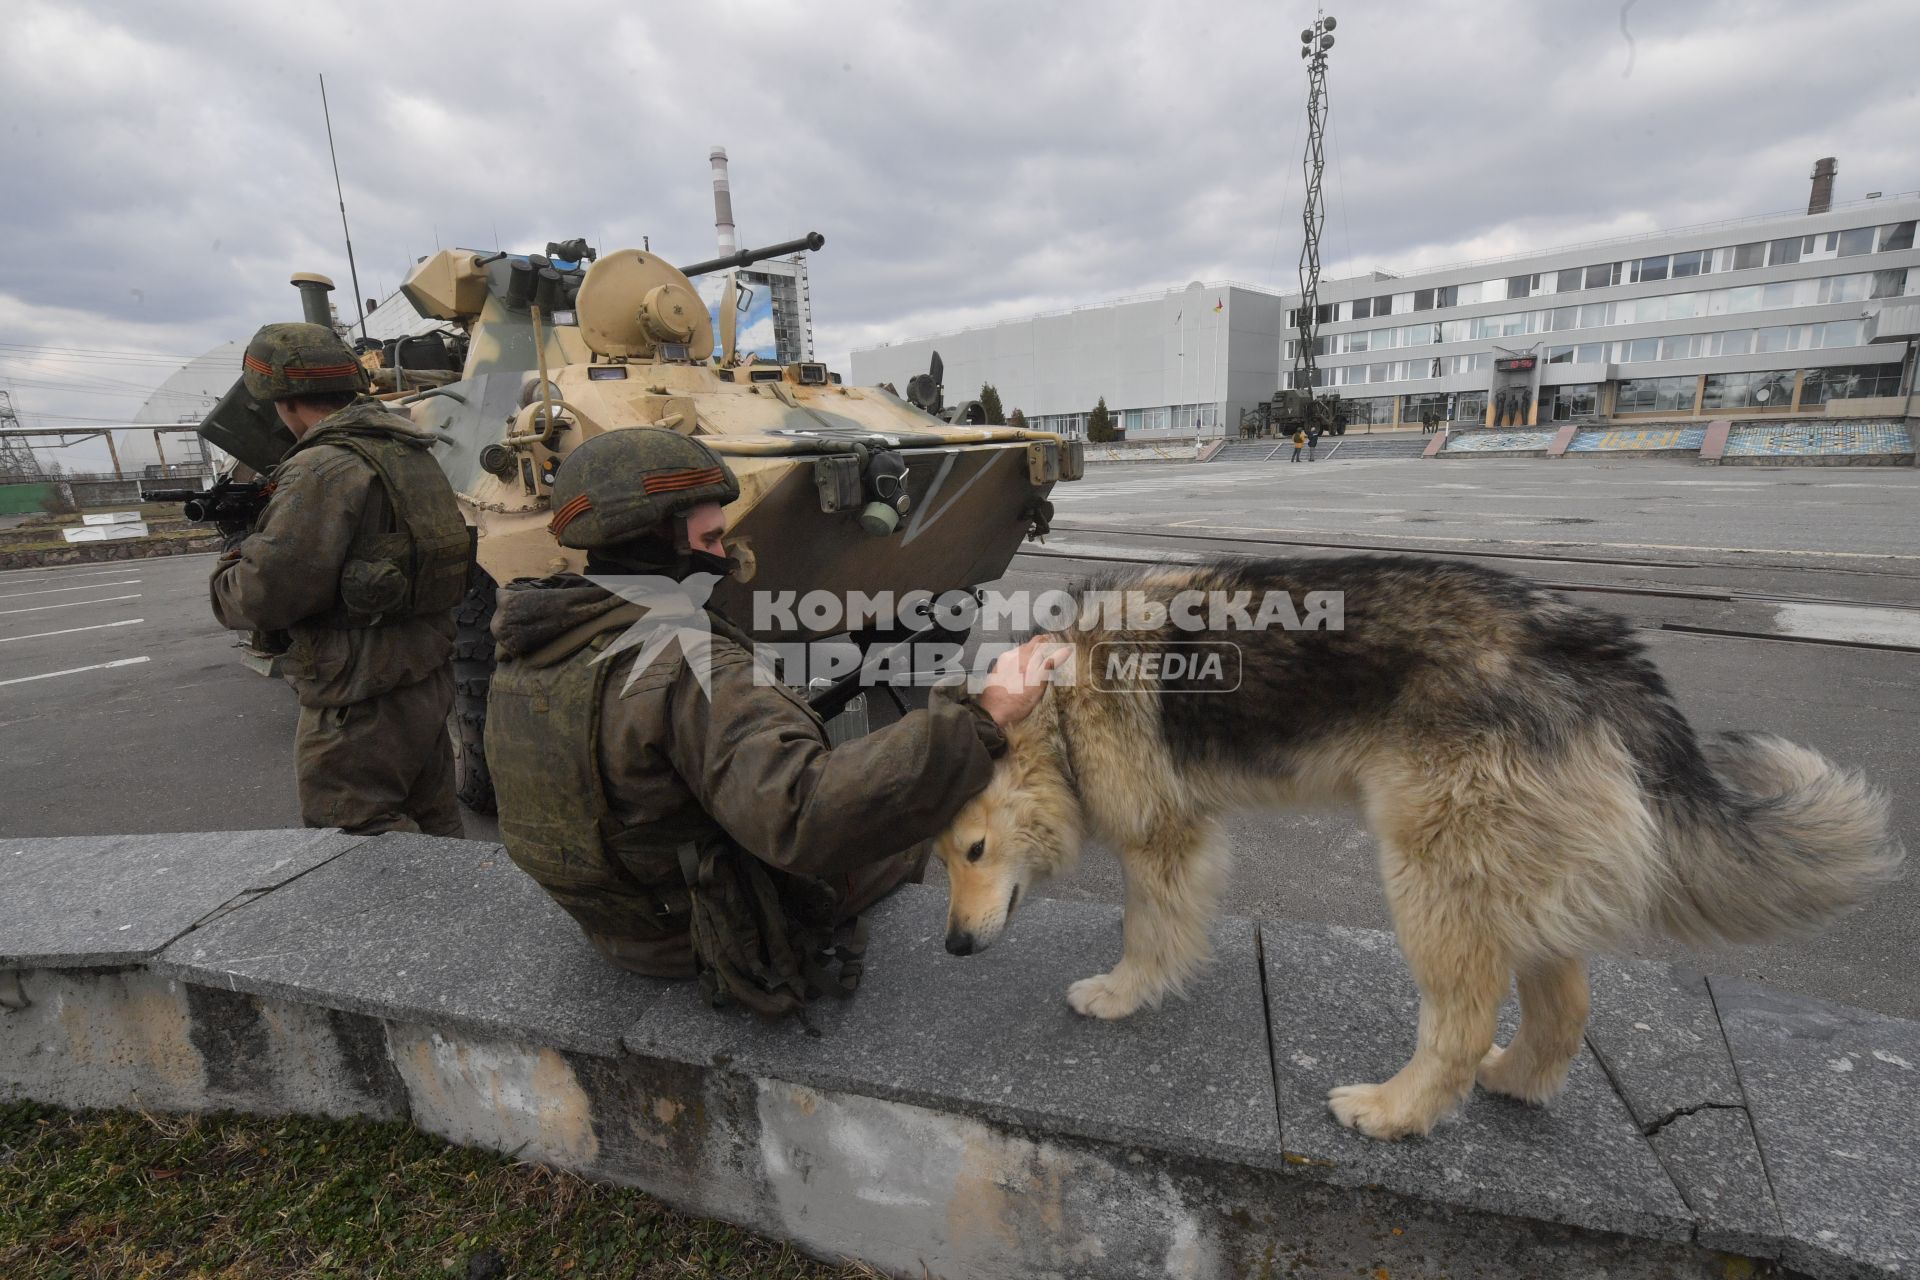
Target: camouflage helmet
<point>286,360</point>
<point>622,484</point>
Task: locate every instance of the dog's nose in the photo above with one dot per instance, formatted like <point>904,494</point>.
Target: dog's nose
<point>960,944</point>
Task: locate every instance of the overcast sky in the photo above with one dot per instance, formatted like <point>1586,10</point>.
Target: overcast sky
<point>165,166</point>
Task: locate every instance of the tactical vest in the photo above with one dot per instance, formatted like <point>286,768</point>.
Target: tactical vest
<point>543,750</point>
<point>759,936</point>
<point>411,555</point>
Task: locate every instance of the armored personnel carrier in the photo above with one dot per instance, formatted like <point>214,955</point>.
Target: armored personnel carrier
<point>842,488</point>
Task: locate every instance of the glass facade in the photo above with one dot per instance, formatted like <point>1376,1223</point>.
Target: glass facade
<point>1772,389</point>
<point>1369,411</point>
<point>1655,395</point>
<point>1850,382</point>
<point>1470,407</point>
<point>1564,404</point>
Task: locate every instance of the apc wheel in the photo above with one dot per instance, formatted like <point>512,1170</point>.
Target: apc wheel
<point>472,676</point>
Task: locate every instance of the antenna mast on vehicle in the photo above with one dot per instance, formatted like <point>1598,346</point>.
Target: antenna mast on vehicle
<point>1314,43</point>
<point>359,303</point>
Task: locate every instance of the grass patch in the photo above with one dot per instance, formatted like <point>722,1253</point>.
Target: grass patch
<point>48,537</point>
<point>165,524</point>
<point>112,1194</point>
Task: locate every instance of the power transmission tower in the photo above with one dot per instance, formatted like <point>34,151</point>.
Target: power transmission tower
<point>1314,43</point>
<point>17,460</point>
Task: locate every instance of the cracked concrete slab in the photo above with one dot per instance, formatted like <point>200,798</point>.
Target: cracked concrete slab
<point>85,901</point>
<point>1344,1011</point>
<point>425,929</point>
<point>1835,1098</point>
<point>1712,1157</point>
<point>1654,1029</point>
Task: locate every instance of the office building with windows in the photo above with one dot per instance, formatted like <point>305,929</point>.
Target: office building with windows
<point>1176,364</point>
<point>1777,314</point>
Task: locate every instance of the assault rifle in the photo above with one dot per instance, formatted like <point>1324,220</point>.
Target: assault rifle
<point>227,501</point>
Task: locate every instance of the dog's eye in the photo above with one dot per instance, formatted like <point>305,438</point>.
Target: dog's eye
<point>978,851</point>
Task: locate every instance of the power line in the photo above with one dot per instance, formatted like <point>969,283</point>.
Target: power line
<point>1286,191</point>
<point>103,352</point>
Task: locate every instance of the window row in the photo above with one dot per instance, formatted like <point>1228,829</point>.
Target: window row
<point>1685,346</point>
<point>1728,342</point>
<point>1855,242</point>
<point>1766,389</point>
<point>1821,291</point>
<point>1182,419</point>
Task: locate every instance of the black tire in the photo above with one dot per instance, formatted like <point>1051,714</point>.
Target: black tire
<point>472,676</point>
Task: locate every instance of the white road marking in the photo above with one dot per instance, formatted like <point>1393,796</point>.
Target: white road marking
<point>42,635</point>
<point>74,671</point>
<point>68,604</point>
<point>1722,484</point>
<point>1554,542</point>
<point>1862,624</point>
<point>91,586</point>
<point>1170,554</point>
<point>66,572</point>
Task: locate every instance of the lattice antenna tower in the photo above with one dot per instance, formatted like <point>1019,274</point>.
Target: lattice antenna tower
<point>16,455</point>
<point>1314,43</point>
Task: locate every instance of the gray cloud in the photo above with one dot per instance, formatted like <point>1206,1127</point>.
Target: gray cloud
<point>966,162</point>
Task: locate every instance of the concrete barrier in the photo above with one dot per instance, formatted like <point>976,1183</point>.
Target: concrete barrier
<point>1723,442</point>
<point>954,1118</point>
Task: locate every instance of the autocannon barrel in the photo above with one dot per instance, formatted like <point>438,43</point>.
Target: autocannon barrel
<point>747,257</point>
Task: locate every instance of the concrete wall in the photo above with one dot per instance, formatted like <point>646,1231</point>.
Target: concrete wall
<point>953,1118</point>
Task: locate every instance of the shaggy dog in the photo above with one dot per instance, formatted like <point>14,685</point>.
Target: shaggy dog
<point>1534,791</point>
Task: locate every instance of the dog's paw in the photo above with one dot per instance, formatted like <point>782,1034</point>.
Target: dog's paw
<point>1372,1109</point>
<point>1505,1072</point>
<point>1103,996</point>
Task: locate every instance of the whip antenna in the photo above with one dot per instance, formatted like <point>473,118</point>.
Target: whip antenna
<point>359,304</point>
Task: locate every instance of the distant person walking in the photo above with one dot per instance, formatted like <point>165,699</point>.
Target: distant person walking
<point>1313,441</point>
<point>1299,443</point>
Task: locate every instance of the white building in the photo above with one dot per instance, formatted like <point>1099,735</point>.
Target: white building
<point>1779,313</point>
<point>1771,314</point>
<point>1178,363</point>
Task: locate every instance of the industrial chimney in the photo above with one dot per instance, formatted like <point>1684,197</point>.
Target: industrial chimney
<point>1819,202</point>
<point>722,201</point>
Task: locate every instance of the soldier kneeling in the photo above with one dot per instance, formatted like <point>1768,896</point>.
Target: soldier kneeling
<point>689,814</point>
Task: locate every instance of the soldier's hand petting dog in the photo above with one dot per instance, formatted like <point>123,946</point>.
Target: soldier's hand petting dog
<point>1019,677</point>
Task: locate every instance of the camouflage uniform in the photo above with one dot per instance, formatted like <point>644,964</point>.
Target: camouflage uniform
<point>618,796</point>
<point>360,556</point>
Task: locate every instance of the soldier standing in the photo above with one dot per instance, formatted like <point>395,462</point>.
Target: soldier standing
<point>688,811</point>
<point>360,556</point>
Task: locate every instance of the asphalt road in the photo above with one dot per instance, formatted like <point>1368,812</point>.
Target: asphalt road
<point>124,708</point>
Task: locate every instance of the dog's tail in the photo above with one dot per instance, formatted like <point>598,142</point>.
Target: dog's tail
<point>1791,840</point>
